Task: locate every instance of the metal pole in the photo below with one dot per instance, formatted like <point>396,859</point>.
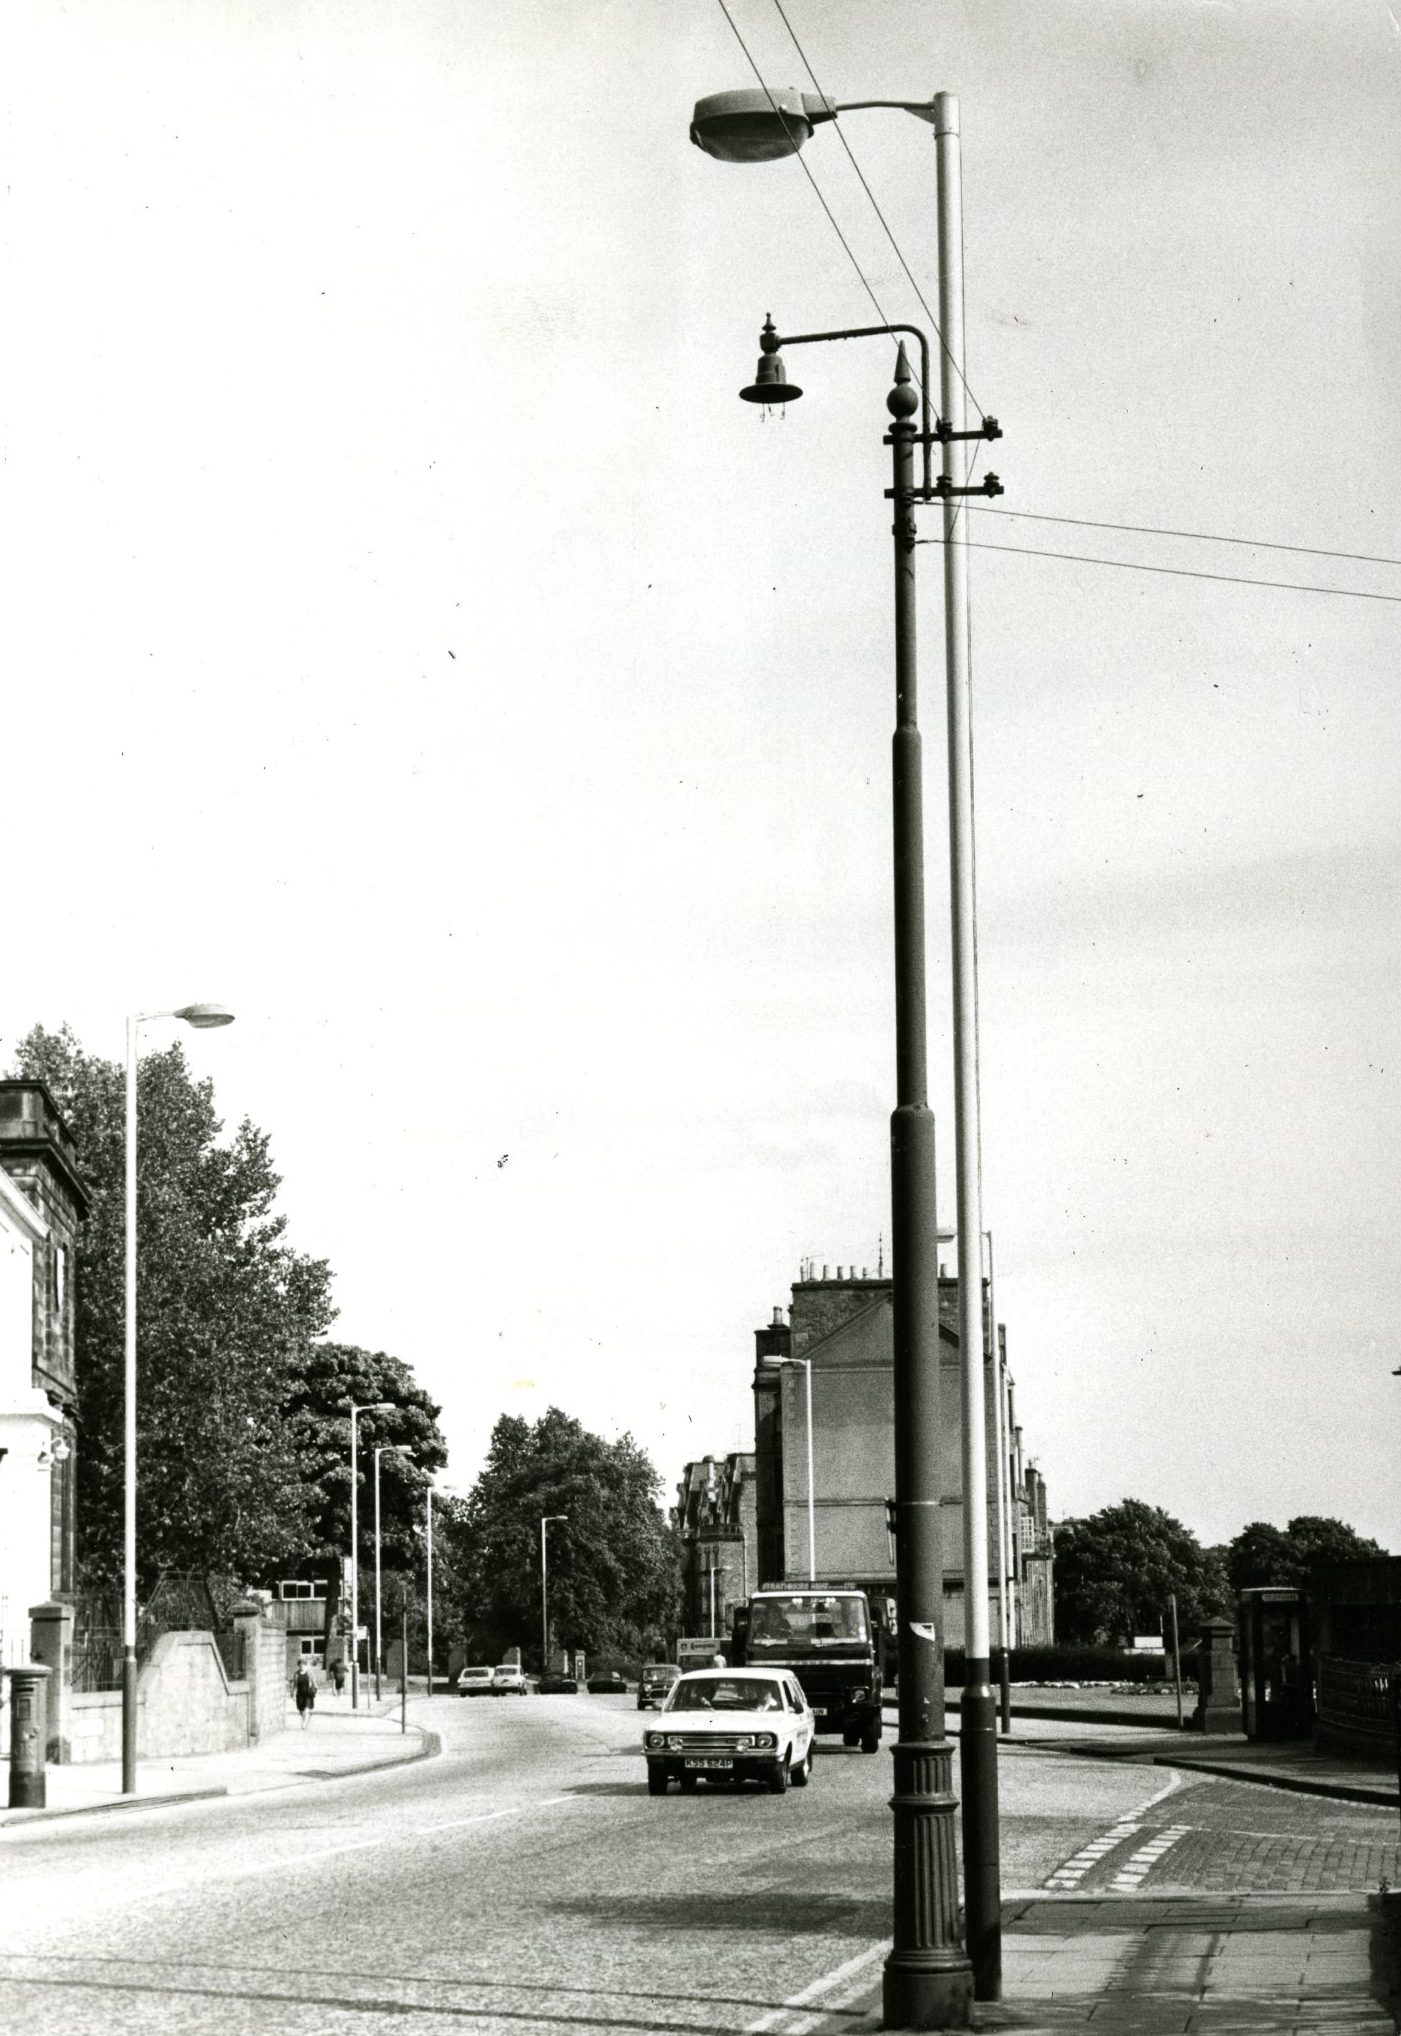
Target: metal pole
<point>927,1982</point>
<point>129,1434</point>
<point>978,1709</point>
<point>1176,1656</point>
<point>429,1500</point>
<point>403,1661</point>
<point>378,1447</point>
<point>995,1360</point>
<point>354,1566</point>
<point>544,1604</point>
<point>812,1518</point>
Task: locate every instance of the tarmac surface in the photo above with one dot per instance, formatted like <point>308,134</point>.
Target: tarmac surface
<point>1222,1904</point>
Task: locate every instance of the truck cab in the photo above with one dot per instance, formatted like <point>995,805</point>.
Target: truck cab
<point>830,1641</point>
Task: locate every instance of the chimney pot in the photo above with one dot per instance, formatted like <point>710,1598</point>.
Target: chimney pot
<point>778,1318</point>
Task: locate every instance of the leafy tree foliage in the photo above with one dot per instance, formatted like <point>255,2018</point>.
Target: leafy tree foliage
<point>329,1377</point>
<point>1115,1571</point>
<point>1262,1554</point>
<point>226,1311</point>
<point>613,1564</point>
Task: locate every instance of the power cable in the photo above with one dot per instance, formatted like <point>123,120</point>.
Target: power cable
<point>802,165</point>
<point>875,207</point>
<point>1364,558</point>
<point>1176,572</point>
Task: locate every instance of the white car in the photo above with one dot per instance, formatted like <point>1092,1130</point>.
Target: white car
<point>508,1680</point>
<point>474,1682</point>
<point>731,1725</point>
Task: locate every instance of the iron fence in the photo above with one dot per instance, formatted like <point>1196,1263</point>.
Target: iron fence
<point>1354,1700</point>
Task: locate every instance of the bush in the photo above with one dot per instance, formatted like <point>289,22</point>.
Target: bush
<point>1073,1665</point>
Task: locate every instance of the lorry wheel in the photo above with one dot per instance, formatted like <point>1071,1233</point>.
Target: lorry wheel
<point>850,1736</point>
<point>656,1781</point>
<point>778,1778</point>
<point>870,1742</point>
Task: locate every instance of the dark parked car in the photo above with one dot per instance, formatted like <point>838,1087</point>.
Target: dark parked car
<point>654,1682</point>
<point>602,1685</point>
<point>558,1686</point>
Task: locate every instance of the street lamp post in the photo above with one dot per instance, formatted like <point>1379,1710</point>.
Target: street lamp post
<point>428,1520</point>
<point>376,1407</point>
<point>927,1981</point>
<point>806,1363</point>
<point>381,1449</point>
<point>544,1594</point>
<point>204,1017</point>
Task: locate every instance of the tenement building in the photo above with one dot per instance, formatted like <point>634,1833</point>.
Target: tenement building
<point>42,1203</point>
<point>754,1517</point>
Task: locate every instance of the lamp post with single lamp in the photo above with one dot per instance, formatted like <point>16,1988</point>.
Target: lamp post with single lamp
<point>204,1018</point>
<point>381,1449</point>
<point>545,1594</point>
<point>375,1407</point>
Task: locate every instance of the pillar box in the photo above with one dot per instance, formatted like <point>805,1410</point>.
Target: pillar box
<point>27,1732</point>
<point>1218,1692</point>
<point>51,1642</point>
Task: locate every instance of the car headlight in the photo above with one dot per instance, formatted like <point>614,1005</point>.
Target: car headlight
<point>675,1743</point>
<point>744,1741</point>
<point>654,1739</point>
<point>766,1740</point>
<point>859,1694</point>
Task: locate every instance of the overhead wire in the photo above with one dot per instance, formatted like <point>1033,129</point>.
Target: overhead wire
<point>1364,558</point>
<point>1175,572</point>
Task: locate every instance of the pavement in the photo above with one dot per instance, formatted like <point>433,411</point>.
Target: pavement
<point>337,1741</point>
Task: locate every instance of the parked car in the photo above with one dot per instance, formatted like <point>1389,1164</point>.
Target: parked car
<point>558,1686</point>
<point>474,1682</point>
<point>601,1685</point>
<point>654,1682</point>
<point>731,1725</point>
<point>508,1680</point>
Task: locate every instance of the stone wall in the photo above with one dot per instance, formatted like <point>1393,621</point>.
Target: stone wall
<point>185,1703</point>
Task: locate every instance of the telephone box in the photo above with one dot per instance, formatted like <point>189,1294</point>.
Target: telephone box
<point>1276,1667</point>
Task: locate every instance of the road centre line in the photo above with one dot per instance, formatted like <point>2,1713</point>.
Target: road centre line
<point>810,1994</point>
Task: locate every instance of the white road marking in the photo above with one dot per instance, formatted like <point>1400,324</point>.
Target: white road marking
<point>809,1994</point>
<point>1136,1869</point>
<point>1071,1872</point>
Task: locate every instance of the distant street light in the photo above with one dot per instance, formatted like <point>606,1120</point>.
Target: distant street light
<point>382,1449</point>
<point>544,1594</point>
<point>377,1407</point>
<point>806,1363</point>
<point>928,1982</point>
<point>428,1520</point>
<point>203,1017</point>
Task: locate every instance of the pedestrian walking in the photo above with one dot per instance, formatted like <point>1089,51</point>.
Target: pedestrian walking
<point>304,1691</point>
<point>338,1676</point>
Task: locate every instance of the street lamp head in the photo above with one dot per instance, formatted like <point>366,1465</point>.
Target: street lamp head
<point>759,125</point>
<point>204,1017</point>
<point>771,383</point>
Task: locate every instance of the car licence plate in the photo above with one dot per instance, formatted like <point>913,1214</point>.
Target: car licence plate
<point>819,1710</point>
<point>710,1760</point>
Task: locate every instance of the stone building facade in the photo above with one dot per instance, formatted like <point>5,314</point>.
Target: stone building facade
<point>42,1203</point>
<point>744,1520</point>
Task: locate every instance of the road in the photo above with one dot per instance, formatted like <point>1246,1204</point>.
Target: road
<point>525,1882</point>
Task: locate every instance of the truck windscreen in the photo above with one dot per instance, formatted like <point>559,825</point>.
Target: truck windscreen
<point>806,1621</point>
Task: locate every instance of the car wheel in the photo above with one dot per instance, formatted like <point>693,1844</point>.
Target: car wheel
<point>778,1778</point>
<point>656,1781</point>
<point>802,1773</point>
<point>689,1784</point>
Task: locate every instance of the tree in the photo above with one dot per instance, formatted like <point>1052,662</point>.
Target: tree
<point>1115,1572</point>
<point>316,1408</point>
<point>226,1312</point>
<point>1262,1554</point>
<point>613,1567</point>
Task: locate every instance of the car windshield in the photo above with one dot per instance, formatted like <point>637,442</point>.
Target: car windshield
<point>806,1620</point>
<point>726,1693</point>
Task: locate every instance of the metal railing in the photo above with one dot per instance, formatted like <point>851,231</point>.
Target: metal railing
<point>1354,1700</point>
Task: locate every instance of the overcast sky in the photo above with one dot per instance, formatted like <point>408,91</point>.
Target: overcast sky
<point>413,643</point>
